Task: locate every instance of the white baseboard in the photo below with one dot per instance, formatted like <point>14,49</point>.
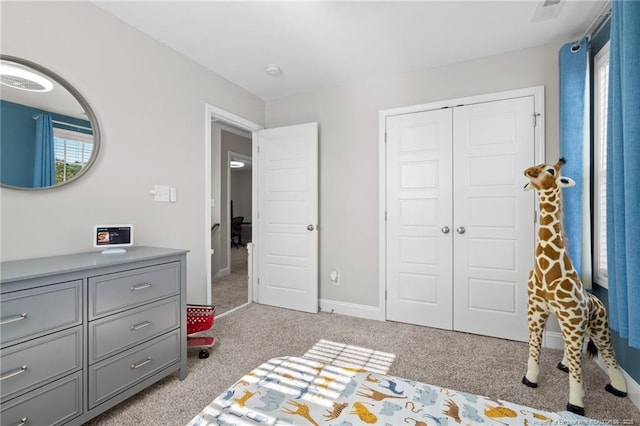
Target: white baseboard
<point>223,272</point>
<point>552,340</point>
<point>633,388</point>
<point>352,309</point>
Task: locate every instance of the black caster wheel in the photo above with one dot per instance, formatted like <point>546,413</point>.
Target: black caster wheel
<point>203,354</point>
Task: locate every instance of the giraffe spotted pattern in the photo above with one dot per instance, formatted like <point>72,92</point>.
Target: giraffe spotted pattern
<point>554,287</point>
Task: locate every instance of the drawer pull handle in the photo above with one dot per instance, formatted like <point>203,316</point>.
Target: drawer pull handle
<point>140,286</point>
<point>23,421</point>
<point>140,325</point>
<point>13,373</point>
<point>141,363</point>
<point>13,318</point>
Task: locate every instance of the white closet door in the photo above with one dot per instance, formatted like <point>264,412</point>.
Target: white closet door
<point>493,143</point>
<point>419,270</point>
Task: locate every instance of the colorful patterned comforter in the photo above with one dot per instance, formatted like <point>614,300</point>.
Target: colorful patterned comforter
<point>301,391</point>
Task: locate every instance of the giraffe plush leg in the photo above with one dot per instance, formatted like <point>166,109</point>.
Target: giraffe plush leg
<point>537,314</point>
<point>562,365</point>
<point>573,343</point>
<point>600,335</point>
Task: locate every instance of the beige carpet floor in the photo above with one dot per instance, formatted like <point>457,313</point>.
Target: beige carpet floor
<point>476,364</point>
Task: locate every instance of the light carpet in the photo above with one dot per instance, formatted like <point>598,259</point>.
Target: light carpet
<point>344,355</point>
<point>230,291</point>
<point>476,364</point>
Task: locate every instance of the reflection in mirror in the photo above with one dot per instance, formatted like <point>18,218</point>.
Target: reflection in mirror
<point>49,135</point>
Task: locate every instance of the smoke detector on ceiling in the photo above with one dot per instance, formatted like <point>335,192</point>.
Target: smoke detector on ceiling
<point>20,78</point>
<point>273,70</point>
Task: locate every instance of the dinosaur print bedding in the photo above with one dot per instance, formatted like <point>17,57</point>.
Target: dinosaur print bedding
<point>301,391</point>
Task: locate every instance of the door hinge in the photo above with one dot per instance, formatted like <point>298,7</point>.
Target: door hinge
<point>385,295</point>
<point>535,118</point>
<point>385,137</point>
<point>258,280</point>
<point>535,217</point>
<point>385,215</point>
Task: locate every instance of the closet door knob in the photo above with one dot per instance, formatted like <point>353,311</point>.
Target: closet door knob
<point>310,228</point>
<point>445,229</point>
<point>461,230</point>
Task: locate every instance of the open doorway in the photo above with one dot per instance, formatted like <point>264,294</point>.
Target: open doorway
<point>230,282</point>
<point>231,193</point>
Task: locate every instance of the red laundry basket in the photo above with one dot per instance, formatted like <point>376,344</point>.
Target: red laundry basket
<point>200,318</point>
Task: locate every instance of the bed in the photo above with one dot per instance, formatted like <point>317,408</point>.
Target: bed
<point>302,391</point>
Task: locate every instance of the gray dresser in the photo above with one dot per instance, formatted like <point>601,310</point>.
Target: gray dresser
<point>81,333</point>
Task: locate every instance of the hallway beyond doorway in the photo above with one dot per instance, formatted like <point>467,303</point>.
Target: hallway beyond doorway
<point>231,291</point>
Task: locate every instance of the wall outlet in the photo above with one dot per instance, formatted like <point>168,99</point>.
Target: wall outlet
<point>335,278</point>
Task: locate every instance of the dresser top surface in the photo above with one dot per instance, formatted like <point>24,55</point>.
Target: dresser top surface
<point>17,270</point>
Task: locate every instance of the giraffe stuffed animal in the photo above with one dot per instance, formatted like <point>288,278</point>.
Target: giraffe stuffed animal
<point>555,288</point>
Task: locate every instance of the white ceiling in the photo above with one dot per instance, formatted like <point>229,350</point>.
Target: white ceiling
<point>320,44</point>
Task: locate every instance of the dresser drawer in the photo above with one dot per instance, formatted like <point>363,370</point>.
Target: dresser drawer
<point>35,312</point>
<point>115,333</point>
<point>33,363</point>
<point>113,375</point>
<point>118,291</point>
<point>54,404</point>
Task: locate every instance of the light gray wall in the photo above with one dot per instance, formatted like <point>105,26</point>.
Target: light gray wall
<point>153,123</point>
<point>349,145</point>
<point>241,193</point>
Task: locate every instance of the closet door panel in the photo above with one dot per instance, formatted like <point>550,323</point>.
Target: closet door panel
<point>419,269</point>
<point>493,143</point>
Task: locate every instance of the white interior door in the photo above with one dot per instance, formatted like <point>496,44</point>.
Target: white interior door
<point>288,217</point>
<point>419,200</point>
<point>493,143</point>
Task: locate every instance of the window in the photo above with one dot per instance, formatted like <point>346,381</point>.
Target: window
<point>600,100</point>
<point>72,150</point>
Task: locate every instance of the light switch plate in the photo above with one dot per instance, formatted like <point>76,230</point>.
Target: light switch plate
<point>161,193</point>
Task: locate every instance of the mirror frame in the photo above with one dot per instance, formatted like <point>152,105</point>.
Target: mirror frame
<point>83,103</point>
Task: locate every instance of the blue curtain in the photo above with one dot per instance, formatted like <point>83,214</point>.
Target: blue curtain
<point>573,59</point>
<point>623,171</point>
<point>44,170</point>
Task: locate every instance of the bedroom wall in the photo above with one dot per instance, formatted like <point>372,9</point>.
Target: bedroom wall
<point>349,148</point>
<point>153,128</point>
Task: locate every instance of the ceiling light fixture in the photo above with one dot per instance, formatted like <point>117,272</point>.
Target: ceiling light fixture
<point>273,70</point>
<point>235,164</point>
<point>546,10</point>
<point>19,78</point>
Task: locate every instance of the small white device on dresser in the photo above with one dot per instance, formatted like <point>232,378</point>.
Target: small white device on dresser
<point>113,238</point>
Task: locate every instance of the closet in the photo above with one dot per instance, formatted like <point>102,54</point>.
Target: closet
<point>459,229</point>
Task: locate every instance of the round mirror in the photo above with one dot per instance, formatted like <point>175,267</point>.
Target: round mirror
<point>49,136</point>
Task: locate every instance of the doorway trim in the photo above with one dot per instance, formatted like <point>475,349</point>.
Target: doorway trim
<point>539,154</point>
<point>212,113</point>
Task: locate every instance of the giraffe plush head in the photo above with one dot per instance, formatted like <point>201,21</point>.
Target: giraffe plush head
<point>547,177</point>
